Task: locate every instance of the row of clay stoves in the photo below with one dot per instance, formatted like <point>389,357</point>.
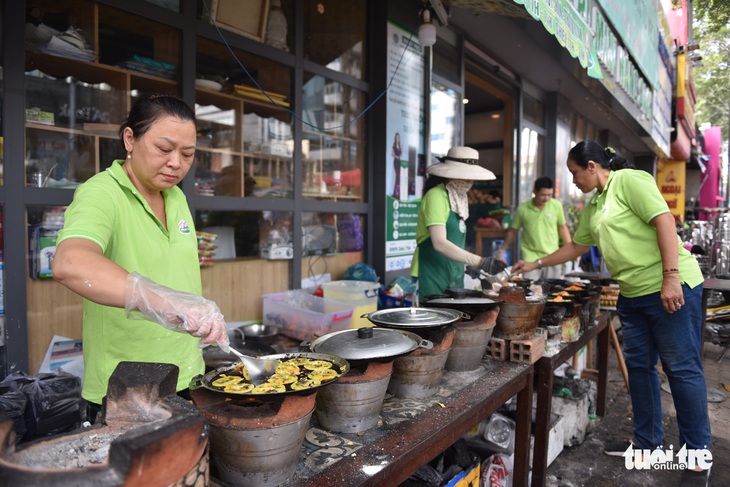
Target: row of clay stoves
<point>149,436</point>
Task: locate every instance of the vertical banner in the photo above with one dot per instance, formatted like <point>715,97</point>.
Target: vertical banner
<point>671,180</point>
<point>404,151</point>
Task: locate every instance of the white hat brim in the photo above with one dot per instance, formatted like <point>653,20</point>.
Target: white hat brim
<point>460,170</point>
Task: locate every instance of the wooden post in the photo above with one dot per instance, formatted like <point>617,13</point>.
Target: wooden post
<point>619,355</point>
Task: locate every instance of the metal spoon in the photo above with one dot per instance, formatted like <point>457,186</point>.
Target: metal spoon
<point>259,369</point>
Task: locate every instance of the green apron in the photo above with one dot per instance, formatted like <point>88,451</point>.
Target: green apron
<point>437,273</point>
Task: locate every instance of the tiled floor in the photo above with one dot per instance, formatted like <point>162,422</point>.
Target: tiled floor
<point>586,465</point>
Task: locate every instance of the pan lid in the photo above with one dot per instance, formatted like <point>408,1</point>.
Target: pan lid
<point>366,343</point>
<point>468,300</point>
<point>414,317</point>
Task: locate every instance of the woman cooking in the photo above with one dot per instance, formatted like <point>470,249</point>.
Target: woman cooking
<point>129,248</point>
<point>441,231</point>
<point>660,304</point>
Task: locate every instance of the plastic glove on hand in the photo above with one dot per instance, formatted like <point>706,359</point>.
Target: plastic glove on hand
<point>492,265</point>
<point>501,255</point>
<point>175,310</point>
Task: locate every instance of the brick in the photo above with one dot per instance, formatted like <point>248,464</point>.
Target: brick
<point>527,351</point>
<point>497,348</point>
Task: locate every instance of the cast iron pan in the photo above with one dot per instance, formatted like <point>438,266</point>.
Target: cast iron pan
<point>205,381</point>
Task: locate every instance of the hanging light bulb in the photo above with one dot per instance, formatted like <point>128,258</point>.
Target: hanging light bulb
<point>427,31</point>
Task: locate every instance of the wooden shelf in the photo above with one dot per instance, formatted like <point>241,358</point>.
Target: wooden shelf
<point>66,130</point>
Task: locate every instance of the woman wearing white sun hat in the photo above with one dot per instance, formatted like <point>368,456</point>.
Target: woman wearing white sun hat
<point>441,232</point>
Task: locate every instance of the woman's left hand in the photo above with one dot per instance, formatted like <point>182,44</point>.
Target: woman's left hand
<point>672,296</point>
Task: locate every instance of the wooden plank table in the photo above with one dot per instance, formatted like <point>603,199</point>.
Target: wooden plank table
<point>544,369</point>
<point>412,432</point>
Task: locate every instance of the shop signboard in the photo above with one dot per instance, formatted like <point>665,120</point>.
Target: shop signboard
<point>405,153</point>
<point>685,129</point>
<point>661,129</point>
<point>636,24</point>
<point>671,180</point>
<point>621,75</point>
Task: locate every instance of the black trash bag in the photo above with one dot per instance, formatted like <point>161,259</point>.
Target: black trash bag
<point>458,454</point>
<point>13,405</point>
<point>425,476</point>
<point>54,404</point>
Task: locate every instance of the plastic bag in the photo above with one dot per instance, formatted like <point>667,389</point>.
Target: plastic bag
<point>497,471</point>
<point>13,404</point>
<point>350,235</point>
<point>360,272</point>
<point>54,403</point>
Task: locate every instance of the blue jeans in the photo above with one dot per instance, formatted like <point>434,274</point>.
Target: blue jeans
<point>650,333</point>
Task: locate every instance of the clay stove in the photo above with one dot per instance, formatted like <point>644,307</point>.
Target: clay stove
<point>418,374</point>
<point>255,441</point>
<point>146,435</point>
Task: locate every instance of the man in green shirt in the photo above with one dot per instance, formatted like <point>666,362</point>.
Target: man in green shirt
<point>543,220</point>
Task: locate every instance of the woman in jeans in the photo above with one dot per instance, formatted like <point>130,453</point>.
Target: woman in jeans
<point>661,291</point>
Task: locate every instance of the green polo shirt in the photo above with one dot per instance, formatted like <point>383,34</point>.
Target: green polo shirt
<point>433,210</point>
<point>617,221</point>
<point>109,211</point>
<point>540,236</point>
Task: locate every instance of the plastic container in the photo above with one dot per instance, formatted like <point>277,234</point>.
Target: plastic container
<point>304,316</point>
<point>361,294</point>
<point>387,301</point>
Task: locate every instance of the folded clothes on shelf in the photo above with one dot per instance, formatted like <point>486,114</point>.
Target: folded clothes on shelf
<point>149,66</point>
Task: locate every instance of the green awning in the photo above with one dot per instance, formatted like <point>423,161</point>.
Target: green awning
<point>560,19</point>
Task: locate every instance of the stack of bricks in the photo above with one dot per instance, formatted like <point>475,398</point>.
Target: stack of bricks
<point>497,348</point>
<point>518,351</point>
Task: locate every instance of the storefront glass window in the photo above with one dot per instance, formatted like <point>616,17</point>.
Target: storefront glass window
<point>333,145</point>
<point>334,35</point>
<point>445,118</point>
<point>530,159</point>
<point>533,111</point>
<point>252,234</point>
<point>245,141</point>
<point>331,242</point>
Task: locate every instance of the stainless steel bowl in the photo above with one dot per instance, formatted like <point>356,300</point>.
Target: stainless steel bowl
<point>259,331</point>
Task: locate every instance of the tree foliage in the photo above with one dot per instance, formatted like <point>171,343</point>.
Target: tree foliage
<point>712,79</point>
<point>715,12</point>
